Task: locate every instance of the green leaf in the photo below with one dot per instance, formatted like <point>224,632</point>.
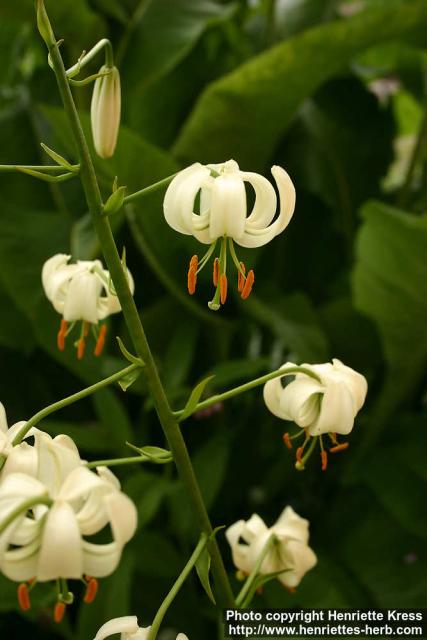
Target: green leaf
<point>243,114</point>
<point>389,281</point>
<point>203,567</point>
<point>168,32</point>
<point>194,398</point>
<point>128,379</point>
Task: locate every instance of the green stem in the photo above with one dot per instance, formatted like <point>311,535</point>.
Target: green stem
<point>176,587</point>
<point>220,397</point>
<point>22,508</point>
<point>114,462</point>
<point>255,571</point>
<point>48,168</point>
<point>90,55</point>
<point>147,190</point>
<point>403,199</point>
<point>70,400</point>
<point>133,321</point>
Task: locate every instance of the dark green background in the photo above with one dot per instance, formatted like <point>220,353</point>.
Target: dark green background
<point>209,80</point>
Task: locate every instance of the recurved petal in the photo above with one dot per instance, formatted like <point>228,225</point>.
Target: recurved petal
<point>81,482</point>
<point>265,205</point>
<point>21,459</point>
<point>50,270</point>
<point>3,419</point>
<point>239,551</point>
<point>100,560</point>
<point>337,411</point>
<point>301,559</point>
<point>355,381</point>
<point>61,554</point>
<point>272,394</point>
<point>178,204</point>
<point>123,516</point>
<point>300,400</point>
<point>291,525</point>
<point>21,564</point>
<point>126,624</point>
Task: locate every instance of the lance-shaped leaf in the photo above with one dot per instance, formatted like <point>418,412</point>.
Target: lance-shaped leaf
<point>157,455</point>
<point>203,567</point>
<point>194,398</point>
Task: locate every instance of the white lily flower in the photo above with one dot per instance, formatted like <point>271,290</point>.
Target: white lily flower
<point>20,458</point>
<point>223,214</point>
<point>289,552</point>
<point>128,628</point>
<point>328,404</point>
<point>80,292</point>
<point>105,111</point>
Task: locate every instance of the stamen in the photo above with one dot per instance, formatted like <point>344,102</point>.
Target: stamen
<point>249,282</point>
<point>287,440</point>
<point>91,590</point>
<point>340,447</point>
<point>333,437</point>
<point>62,334</point>
<point>223,286</point>
<point>299,453</point>
<point>194,262</point>
<point>59,612</point>
<point>86,327</point>
<point>81,348</point>
<point>191,279</point>
<point>241,277</point>
<point>215,272</point>
<point>100,341</point>
<point>24,597</point>
<point>324,458</point>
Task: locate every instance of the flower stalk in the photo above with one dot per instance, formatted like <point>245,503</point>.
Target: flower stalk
<point>240,600</point>
<point>133,320</point>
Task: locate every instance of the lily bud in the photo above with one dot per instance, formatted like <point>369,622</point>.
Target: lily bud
<point>105,111</point>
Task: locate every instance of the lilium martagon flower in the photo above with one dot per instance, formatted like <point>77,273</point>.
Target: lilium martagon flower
<point>47,520</point>
<point>128,628</point>
<point>83,294</point>
<point>326,405</point>
<point>209,202</point>
<point>290,556</point>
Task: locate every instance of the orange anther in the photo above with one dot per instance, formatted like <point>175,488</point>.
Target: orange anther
<point>194,262</point>
<point>59,611</point>
<point>340,447</point>
<point>191,280</point>
<point>289,589</point>
<point>101,340</point>
<point>91,590</point>
<point>299,453</point>
<point>62,333</point>
<point>241,278</point>
<point>81,348</point>
<point>215,276</point>
<point>223,286</point>
<point>324,458</point>
<point>249,282</point>
<point>24,597</point>
<point>287,440</point>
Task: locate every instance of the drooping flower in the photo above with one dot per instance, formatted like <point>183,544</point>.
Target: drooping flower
<point>288,552</point>
<point>325,404</point>
<point>128,628</point>
<point>222,215</point>
<point>81,292</point>
<point>19,458</point>
<point>105,111</point>
<point>45,520</point>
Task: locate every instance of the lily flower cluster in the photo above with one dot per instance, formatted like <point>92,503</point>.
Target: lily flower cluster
<point>82,293</point>
<point>221,216</point>
<point>325,402</point>
<point>128,628</point>
<point>280,551</point>
<point>51,503</point>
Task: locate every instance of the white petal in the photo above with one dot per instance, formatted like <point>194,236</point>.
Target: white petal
<point>301,559</point>
<point>181,636</point>
<point>56,459</point>
<point>228,207</point>
<point>50,270</point>
<point>355,381</point>
<point>265,205</point>
<point>3,419</point>
<point>80,482</point>
<point>337,411</point>
<point>21,459</point>
<point>61,554</point>
<point>126,624</point>
<point>272,393</point>
<point>178,204</point>
<point>123,516</point>
<point>300,400</point>
<point>291,525</point>
<point>21,564</point>
<point>82,298</point>
<point>254,237</point>
<point>106,474</point>
<point>100,560</point>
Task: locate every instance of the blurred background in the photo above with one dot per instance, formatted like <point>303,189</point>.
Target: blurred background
<point>336,93</point>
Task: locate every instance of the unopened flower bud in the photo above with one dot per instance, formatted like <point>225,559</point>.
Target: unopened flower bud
<point>105,111</point>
